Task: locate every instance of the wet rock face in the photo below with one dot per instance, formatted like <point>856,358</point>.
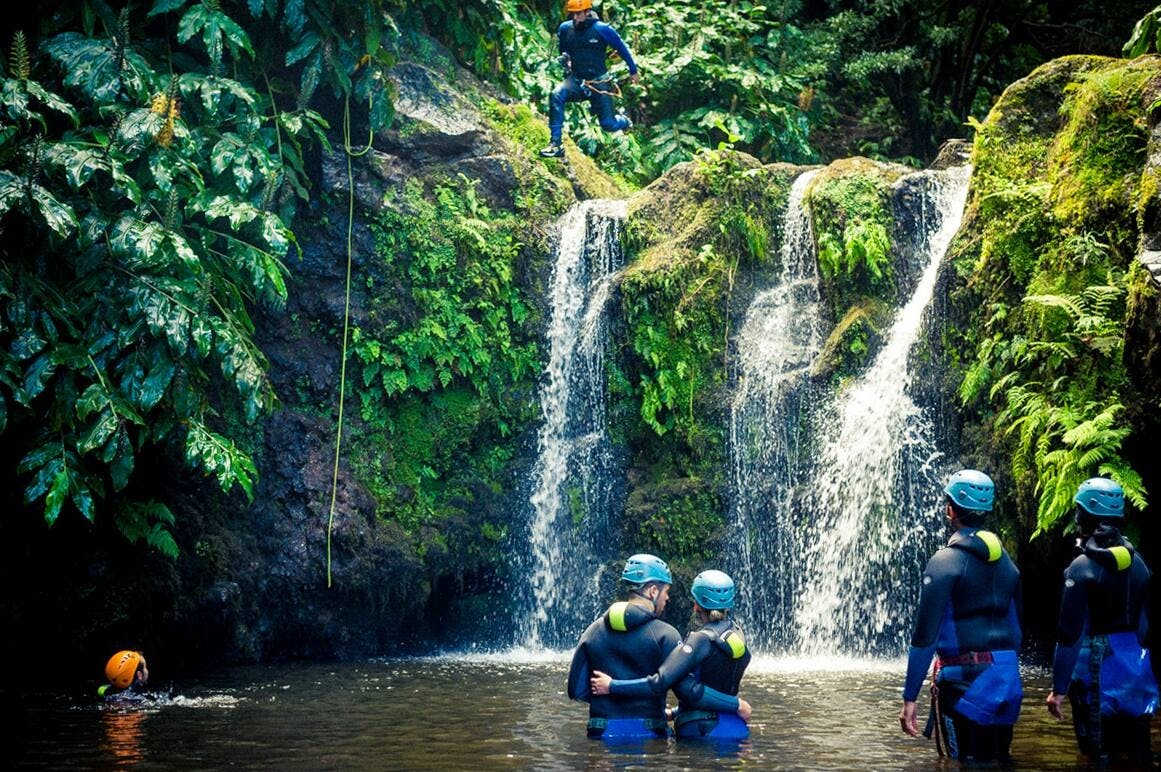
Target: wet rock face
<point>437,132</point>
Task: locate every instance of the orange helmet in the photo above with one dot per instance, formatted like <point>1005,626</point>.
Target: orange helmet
<point>122,666</point>
<point>576,6</point>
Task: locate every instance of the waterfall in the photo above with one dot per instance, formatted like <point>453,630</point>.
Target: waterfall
<point>873,499</point>
<point>778,340</point>
<point>571,480</point>
<point>834,499</point>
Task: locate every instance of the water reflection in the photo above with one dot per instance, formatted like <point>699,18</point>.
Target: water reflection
<point>498,711</point>
<point>122,740</point>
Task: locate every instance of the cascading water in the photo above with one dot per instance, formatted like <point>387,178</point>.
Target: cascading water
<point>572,478</point>
<point>871,509</point>
<point>833,500</point>
<point>778,340</point>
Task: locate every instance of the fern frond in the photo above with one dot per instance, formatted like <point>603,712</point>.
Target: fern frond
<point>19,60</point>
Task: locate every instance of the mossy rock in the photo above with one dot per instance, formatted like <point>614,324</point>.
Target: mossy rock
<point>679,517</point>
<point>851,205</point>
<point>852,340</point>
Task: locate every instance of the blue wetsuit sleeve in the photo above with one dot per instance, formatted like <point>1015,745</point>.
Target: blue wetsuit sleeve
<point>696,694</point>
<point>1015,610</point>
<point>938,580</point>
<point>1073,613</point>
<point>1063,663</point>
<point>578,674</point>
<point>560,36</point>
<point>610,38</point>
<point>680,661</point>
<point>918,658</point>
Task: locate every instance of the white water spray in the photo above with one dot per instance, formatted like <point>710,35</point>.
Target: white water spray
<point>873,490</point>
<point>571,491</point>
<point>778,340</point>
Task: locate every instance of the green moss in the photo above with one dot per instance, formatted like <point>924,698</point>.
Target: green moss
<point>1058,198</point>
<point>1095,162</point>
<point>845,351</point>
<point>851,209</point>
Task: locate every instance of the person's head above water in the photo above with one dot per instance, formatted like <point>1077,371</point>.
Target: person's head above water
<point>970,493</point>
<point>648,577</point>
<point>1099,501</point>
<point>713,592</point>
<point>127,668</point>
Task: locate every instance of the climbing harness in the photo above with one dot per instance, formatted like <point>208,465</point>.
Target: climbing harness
<point>588,86</point>
<point>350,153</point>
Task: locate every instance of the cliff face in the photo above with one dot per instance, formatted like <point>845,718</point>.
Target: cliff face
<point>1050,348</point>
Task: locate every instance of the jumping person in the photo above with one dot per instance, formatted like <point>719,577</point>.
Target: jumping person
<point>968,617</point>
<point>704,672</point>
<point>628,641</point>
<point>583,41</point>
<point>126,671</point>
<point>1100,660</point>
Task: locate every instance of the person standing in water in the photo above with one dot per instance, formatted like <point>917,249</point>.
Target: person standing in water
<point>630,641</point>
<point>969,618</point>
<point>705,671</point>
<point>1101,662</point>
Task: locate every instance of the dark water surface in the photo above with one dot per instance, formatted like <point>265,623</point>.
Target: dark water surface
<point>499,711</point>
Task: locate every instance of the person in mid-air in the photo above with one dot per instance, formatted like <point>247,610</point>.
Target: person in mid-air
<point>584,41</point>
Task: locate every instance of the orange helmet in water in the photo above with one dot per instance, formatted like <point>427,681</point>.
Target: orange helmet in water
<point>576,6</point>
<point>122,666</point>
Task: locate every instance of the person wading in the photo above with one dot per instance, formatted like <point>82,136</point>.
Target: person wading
<point>627,641</point>
<point>705,671</point>
<point>1101,662</point>
<point>968,617</point>
<point>584,41</point>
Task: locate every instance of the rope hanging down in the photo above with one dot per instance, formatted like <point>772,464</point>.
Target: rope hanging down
<point>350,153</point>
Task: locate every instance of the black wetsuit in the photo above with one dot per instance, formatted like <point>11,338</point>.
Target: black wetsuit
<point>968,614</point>
<point>705,673</point>
<point>1100,661</point>
<point>627,641</point>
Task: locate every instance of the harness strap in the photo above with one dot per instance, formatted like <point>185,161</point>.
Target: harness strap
<point>940,734</point>
<point>597,722</point>
<point>603,81</point>
<point>967,658</point>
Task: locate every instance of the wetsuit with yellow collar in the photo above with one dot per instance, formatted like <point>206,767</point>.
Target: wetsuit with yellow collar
<point>1100,661</point>
<point>705,673</point>
<point>628,641</point>
<point>968,615</point>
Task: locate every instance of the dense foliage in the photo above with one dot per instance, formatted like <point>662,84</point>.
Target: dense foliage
<point>148,170</point>
<point>790,81</point>
<point>1051,240</point>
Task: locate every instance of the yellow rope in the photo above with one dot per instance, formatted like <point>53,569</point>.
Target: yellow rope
<point>351,153</point>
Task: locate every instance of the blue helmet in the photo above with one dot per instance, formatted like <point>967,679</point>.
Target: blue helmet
<point>644,568</point>
<point>713,590</point>
<point>1101,497</point>
<point>971,490</point>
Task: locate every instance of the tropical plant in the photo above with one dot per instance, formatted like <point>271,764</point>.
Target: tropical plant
<point>144,198</point>
<point>1061,406</point>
